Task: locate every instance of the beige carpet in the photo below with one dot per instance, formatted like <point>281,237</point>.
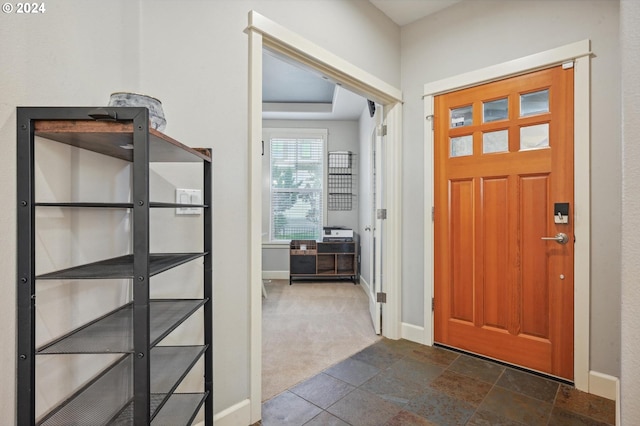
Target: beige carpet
<point>309,326</point>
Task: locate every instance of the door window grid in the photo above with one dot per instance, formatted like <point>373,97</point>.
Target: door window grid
<point>531,137</point>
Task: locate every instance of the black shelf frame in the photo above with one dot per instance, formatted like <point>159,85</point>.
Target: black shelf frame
<point>107,131</point>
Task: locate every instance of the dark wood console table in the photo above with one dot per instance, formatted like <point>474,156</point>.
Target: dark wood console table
<point>318,259</point>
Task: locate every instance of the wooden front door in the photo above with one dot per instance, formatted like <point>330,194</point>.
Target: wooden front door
<point>503,180</point>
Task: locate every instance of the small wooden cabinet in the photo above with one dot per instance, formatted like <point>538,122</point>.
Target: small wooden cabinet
<point>317,259</point>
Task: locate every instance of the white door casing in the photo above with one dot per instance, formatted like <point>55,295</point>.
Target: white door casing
<point>579,54</point>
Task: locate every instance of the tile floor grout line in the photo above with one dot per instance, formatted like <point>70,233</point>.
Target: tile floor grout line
<point>493,385</point>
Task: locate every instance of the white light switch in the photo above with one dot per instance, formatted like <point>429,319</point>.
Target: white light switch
<point>188,196</point>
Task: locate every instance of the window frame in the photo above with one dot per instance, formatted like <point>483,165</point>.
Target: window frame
<point>270,134</point>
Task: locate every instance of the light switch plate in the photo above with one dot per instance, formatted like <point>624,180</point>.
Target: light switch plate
<point>188,196</point>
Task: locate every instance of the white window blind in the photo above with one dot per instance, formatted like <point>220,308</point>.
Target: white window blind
<point>297,185</point>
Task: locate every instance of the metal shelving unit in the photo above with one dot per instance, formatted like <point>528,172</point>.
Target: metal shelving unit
<point>340,180</point>
<point>138,388</point>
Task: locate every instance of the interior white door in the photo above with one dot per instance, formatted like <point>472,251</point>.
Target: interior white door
<point>375,241</point>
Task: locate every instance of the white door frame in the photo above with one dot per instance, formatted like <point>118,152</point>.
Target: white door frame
<point>579,53</point>
<point>264,33</point>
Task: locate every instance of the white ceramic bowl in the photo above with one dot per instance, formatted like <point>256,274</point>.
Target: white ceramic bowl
<point>128,99</point>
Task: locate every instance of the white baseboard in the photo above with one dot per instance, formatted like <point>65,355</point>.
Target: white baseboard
<point>365,285</point>
<point>603,385</point>
<point>413,333</point>
<point>236,415</point>
<point>275,275</point>
<point>618,404</point>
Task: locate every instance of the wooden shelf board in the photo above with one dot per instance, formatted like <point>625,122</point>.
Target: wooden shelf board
<point>115,139</point>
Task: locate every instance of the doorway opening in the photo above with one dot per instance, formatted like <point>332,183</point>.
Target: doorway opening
<point>264,33</point>
<point>315,169</point>
<point>311,323</point>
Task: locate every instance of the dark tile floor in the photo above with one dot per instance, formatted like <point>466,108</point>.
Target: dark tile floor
<point>394,383</point>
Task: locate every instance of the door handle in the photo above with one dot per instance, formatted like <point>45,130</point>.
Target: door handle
<point>367,228</point>
<point>560,238</point>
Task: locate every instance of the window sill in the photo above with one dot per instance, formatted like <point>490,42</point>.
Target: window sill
<point>275,245</point>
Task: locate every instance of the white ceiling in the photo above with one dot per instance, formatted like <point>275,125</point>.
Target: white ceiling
<point>404,12</point>
<point>291,92</point>
<point>280,75</point>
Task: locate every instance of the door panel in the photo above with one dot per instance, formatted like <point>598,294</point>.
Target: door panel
<point>503,158</point>
<point>378,228</point>
<point>461,229</point>
<point>495,252</point>
<point>375,308</point>
<point>535,298</point>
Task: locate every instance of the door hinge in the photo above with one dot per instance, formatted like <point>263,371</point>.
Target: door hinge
<point>381,213</point>
<point>382,130</point>
<point>433,304</point>
<point>433,214</point>
<point>381,297</point>
<point>430,118</point>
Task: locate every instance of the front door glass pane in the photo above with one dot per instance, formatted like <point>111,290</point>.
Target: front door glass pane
<point>495,142</point>
<point>495,110</point>
<point>534,137</point>
<point>462,146</point>
<point>462,116</point>
<point>534,103</point>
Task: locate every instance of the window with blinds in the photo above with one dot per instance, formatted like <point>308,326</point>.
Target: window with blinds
<point>297,187</point>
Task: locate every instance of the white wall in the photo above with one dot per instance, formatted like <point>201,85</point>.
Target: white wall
<point>73,54</point>
<point>476,34</point>
<point>630,369</point>
<point>193,56</point>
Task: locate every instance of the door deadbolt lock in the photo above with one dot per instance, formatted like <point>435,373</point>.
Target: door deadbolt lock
<point>561,213</point>
<point>560,238</point>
